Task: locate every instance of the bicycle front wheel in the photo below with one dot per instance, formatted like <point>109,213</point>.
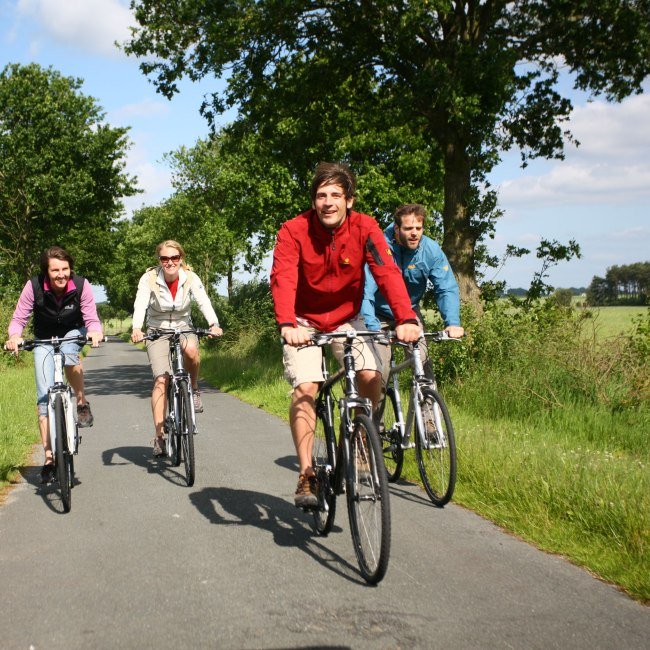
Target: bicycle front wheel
<point>323,463</point>
<point>390,437</point>
<point>368,500</point>
<point>435,448</point>
<point>186,431</point>
<point>63,458</point>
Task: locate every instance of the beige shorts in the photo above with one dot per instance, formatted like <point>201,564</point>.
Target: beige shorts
<point>305,365</point>
<point>160,354</point>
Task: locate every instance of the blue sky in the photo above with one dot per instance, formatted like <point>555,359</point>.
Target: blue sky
<point>599,195</point>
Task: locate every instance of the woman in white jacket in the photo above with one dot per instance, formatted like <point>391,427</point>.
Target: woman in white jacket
<point>164,298</point>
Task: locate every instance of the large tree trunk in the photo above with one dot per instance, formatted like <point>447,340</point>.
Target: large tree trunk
<point>459,239</point>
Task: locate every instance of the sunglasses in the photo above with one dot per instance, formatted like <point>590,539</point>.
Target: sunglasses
<point>172,258</point>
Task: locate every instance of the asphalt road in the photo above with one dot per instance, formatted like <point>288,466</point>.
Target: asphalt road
<point>143,561</point>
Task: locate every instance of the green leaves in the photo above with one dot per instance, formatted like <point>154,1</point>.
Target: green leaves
<point>61,173</point>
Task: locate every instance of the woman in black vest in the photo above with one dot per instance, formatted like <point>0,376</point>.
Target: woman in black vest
<point>62,304</point>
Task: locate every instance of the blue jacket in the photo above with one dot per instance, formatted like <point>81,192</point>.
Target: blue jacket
<point>427,263</point>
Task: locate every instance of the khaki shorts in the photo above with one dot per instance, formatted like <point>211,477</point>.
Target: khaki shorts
<point>160,354</point>
<point>305,365</point>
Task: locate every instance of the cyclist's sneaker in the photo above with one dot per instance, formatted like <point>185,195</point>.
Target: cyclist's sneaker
<point>198,404</point>
<point>47,473</point>
<point>306,493</point>
<point>159,446</point>
<point>84,416</point>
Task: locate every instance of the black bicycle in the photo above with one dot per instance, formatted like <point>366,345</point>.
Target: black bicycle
<point>180,418</point>
<point>353,464</point>
<point>435,443</point>
<point>61,415</point>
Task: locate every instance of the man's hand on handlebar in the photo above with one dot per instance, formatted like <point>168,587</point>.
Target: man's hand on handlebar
<point>215,330</point>
<point>408,332</point>
<point>296,336</point>
<point>455,331</point>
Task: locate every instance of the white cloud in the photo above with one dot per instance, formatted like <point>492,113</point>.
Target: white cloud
<point>90,25</point>
<point>611,165</point>
<point>148,108</point>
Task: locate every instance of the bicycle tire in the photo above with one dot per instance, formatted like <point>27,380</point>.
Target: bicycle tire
<point>368,500</point>
<point>186,431</point>
<point>62,456</point>
<point>390,437</point>
<point>324,463</point>
<point>437,456</point>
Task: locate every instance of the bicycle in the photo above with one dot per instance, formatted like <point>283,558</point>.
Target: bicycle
<point>61,415</point>
<point>351,465</point>
<point>180,417</point>
<point>435,444</point>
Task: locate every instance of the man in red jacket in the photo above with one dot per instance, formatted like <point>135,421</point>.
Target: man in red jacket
<point>317,283</point>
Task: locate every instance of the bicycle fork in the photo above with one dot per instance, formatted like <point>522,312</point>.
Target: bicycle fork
<point>70,414</point>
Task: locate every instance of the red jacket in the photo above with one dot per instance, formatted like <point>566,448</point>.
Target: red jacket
<point>317,274</point>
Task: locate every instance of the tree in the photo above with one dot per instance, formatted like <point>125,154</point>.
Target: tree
<point>465,80</point>
<point>61,173</point>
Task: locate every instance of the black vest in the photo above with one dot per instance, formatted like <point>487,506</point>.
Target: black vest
<point>53,317</point>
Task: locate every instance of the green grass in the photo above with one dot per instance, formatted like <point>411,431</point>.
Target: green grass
<point>18,422</point>
<point>611,321</point>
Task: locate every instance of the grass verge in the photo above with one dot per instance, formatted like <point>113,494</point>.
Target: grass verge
<point>18,424</point>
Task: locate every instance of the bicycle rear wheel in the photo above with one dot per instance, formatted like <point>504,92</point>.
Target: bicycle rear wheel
<point>186,431</point>
<point>435,448</point>
<point>390,437</point>
<point>63,458</point>
<point>368,500</point>
<point>323,463</point>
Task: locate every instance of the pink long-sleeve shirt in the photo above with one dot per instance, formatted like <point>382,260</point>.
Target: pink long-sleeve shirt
<point>25,307</point>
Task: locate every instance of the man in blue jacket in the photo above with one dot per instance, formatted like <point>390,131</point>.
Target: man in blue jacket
<point>422,262</point>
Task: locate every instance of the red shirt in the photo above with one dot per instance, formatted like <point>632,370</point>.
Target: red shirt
<point>317,273</point>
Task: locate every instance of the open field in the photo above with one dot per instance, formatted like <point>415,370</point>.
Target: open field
<point>612,321</point>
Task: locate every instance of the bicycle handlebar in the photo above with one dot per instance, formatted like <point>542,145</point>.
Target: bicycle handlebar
<point>30,344</point>
<point>158,333</point>
<point>436,337</point>
<point>323,338</point>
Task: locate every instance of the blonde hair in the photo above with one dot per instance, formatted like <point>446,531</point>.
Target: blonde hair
<point>170,243</point>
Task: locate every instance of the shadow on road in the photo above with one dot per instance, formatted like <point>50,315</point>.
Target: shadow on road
<point>141,457</point>
<point>50,492</point>
<point>229,507</point>
<point>288,462</point>
<point>397,492</point>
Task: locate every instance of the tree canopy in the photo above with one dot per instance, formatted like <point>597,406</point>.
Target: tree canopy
<point>372,82</point>
<point>61,173</point>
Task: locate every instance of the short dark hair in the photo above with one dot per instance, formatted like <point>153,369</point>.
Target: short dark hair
<point>57,253</point>
<point>334,174</point>
<point>409,208</point>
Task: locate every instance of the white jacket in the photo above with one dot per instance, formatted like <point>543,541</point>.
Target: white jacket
<point>154,300</point>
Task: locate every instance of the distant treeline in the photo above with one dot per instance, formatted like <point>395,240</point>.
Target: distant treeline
<point>622,285</point>
<point>576,291</point>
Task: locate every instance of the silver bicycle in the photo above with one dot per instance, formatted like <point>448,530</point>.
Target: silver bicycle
<point>434,440</point>
<point>62,415</point>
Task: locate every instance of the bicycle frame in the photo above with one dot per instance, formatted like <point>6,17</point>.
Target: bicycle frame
<point>350,400</point>
<point>60,387</point>
<point>414,411</point>
<point>178,374</point>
